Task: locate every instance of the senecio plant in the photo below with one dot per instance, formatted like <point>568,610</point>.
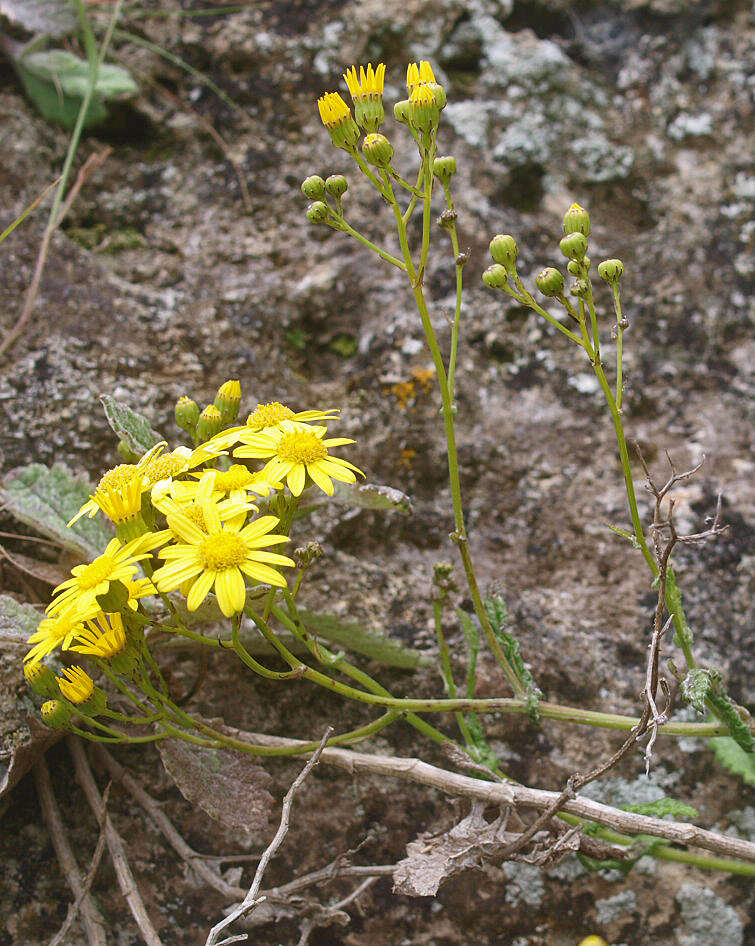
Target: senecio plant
<point>200,522</point>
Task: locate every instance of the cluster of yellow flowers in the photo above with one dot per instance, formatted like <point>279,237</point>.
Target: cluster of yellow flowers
<point>420,110</point>
<point>197,507</point>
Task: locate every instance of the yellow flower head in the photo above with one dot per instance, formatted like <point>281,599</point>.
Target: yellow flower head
<point>268,416</point>
<point>186,498</point>
<point>220,558</point>
<point>102,636</point>
<point>333,110</point>
<point>54,632</point>
<point>124,504</point>
<point>117,563</point>
<point>236,481</point>
<point>369,83</point>
<point>418,75</point>
<point>297,450</point>
<point>422,95</point>
<point>76,685</point>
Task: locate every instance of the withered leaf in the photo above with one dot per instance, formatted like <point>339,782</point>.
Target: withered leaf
<point>431,860</point>
<point>226,786</point>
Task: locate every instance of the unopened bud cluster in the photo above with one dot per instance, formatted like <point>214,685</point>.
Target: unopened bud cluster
<point>201,425</point>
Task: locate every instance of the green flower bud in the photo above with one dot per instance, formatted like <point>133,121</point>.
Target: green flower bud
<point>56,714</point>
<point>125,452</point>
<point>228,400</point>
<point>580,288</point>
<point>313,187</point>
<point>336,185</point>
<point>550,282</point>
<point>495,277</point>
<point>187,414</point>
<point>41,680</point>
<point>574,268</point>
<point>210,423</point>
<point>444,168</point>
<point>401,111</point>
<point>378,150</point>
<point>439,94</point>
<point>504,250</point>
<point>574,246</point>
<point>369,113</point>
<point>318,212</point>
<point>611,270</point>
<point>577,220</point>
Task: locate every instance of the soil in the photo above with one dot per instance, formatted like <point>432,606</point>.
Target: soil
<point>163,283</point>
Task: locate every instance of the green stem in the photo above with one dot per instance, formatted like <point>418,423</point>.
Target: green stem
<point>459,264</point>
<point>446,671</point>
<point>528,299</point>
<point>347,228</point>
<point>325,656</point>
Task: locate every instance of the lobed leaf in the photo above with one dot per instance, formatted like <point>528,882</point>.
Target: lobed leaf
<point>734,758</point>
<point>373,496</point>
<point>46,498</point>
<point>129,425</point>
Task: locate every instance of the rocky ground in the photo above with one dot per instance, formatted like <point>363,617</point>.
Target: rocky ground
<point>166,282</point>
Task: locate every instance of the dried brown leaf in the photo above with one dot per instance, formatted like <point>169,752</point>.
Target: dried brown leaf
<point>431,860</point>
<point>228,787</point>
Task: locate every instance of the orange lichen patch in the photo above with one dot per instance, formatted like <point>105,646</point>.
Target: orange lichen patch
<point>404,392</point>
<point>425,378</point>
<point>406,457</point>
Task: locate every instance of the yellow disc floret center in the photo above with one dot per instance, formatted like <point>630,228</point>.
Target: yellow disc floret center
<point>162,468</point>
<point>99,570</point>
<point>301,446</point>
<point>237,477</point>
<point>269,415</point>
<point>117,478</point>
<point>193,512</point>
<point>221,551</point>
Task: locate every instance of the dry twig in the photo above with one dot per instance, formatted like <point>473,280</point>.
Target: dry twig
<point>251,899</point>
<point>94,924</point>
<point>115,844</point>
<point>196,861</point>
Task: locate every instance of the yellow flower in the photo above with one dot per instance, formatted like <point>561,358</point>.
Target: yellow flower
<point>54,632</point>
<point>119,490</point>
<point>267,416</point>
<point>76,685</point>
<point>418,75</point>
<point>333,110</point>
<point>117,563</point>
<point>186,498</point>
<point>220,558</point>
<point>102,636</point>
<point>336,116</point>
<point>369,83</point>
<point>236,481</point>
<point>297,450</point>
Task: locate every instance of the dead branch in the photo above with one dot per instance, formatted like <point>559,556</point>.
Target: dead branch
<point>92,919</point>
<point>99,850</point>
<point>197,862</point>
<point>251,899</point>
<point>115,844</point>
<point>508,793</point>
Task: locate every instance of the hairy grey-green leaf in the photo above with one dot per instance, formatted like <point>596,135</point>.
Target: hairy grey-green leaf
<point>227,786</point>
<point>354,636</point>
<point>372,496</point>
<point>18,621</point>
<point>129,426</point>
<point>47,498</point>
<point>53,17</point>
<point>695,687</point>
